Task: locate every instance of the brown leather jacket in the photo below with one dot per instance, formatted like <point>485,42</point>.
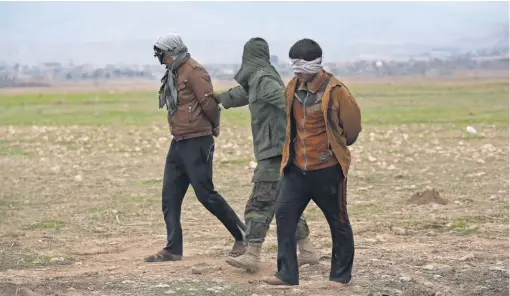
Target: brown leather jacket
<point>197,115</point>
<point>342,120</point>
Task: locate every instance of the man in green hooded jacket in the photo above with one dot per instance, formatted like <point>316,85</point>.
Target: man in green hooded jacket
<point>262,88</point>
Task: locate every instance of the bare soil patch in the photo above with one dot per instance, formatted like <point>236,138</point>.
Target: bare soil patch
<point>80,207</point>
<point>428,196</point>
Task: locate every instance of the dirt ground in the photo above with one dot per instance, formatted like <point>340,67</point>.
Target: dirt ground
<point>80,207</point>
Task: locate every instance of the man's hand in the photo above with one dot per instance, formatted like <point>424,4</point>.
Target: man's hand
<point>216,131</point>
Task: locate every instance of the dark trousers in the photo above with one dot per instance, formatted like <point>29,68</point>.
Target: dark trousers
<point>190,162</point>
<point>327,188</point>
<point>260,210</point>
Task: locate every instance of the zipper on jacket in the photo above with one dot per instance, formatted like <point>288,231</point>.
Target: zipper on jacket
<point>304,129</point>
<point>189,112</point>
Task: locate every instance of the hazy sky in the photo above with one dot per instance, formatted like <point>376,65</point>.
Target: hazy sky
<point>216,31</point>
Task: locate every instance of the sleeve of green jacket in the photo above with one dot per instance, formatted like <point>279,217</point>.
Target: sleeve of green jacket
<point>271,92</point>
<point>235,97</point>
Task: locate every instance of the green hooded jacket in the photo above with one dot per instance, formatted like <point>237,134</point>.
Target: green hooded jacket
<point>262,88</point>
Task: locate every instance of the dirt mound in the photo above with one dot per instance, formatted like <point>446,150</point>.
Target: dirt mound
<point>428,196</point>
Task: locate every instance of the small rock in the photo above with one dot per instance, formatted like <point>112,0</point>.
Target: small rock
<point>204,268</point>
<point>488,148</point>
<point>57,259</point>
<point>405,278</point>
<point>78,263</point>
<point>170,292</point>
<point>78,178</point>
<point>399,231</point>
<point>55,169</point>
<point>467,257</point>
<point>437,276</point>
<point>471,130</point>
<point>493,197</point>
<point>429,267</point>
<point>253,165</point>
<point>26,292</point>
<point>480,161</point>
<point>428,284</point>
<point>162,286</point>
<point>497,268</point>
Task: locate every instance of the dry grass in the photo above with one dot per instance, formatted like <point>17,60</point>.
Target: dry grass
<point>81,180</point>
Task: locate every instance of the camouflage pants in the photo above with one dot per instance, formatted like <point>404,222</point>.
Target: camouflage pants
<point>260,210</point>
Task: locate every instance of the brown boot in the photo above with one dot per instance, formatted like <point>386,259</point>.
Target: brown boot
<point>274,281</point>
<point>163,256</point>
<point>307,253</point>
<point>238,249</point>
<point>250,260</point>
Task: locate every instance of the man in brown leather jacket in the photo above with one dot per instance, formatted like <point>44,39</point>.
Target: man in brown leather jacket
<point>323,119</point>
<point>193,118</point>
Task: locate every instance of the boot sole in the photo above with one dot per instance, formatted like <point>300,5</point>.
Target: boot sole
<point>236,264</point>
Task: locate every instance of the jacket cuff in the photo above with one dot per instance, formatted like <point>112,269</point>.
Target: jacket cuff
<point>226,100</point>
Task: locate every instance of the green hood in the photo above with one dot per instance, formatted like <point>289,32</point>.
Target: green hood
<point>255,57</point>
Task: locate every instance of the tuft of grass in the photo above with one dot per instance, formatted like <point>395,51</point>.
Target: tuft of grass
<point>151,182</point>
<point>472,137</point>
<point>133,199</point>
<point>49,224</point>
<point>461,227</point>
<point>380,104</point>
<point>27,260</point>
<point>9,150</point>
<point>96,210</point>
<point>8,203</point>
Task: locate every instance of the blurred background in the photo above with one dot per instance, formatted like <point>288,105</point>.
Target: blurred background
<point>47,43</point>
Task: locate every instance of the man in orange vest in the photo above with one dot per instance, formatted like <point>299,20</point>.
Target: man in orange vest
<point>323,119</point>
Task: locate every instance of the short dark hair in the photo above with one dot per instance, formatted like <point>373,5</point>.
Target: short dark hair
<point>305,49</point>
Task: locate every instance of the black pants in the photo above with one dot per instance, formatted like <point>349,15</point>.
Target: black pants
<point>190,162</point>
<point>327,188</point>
